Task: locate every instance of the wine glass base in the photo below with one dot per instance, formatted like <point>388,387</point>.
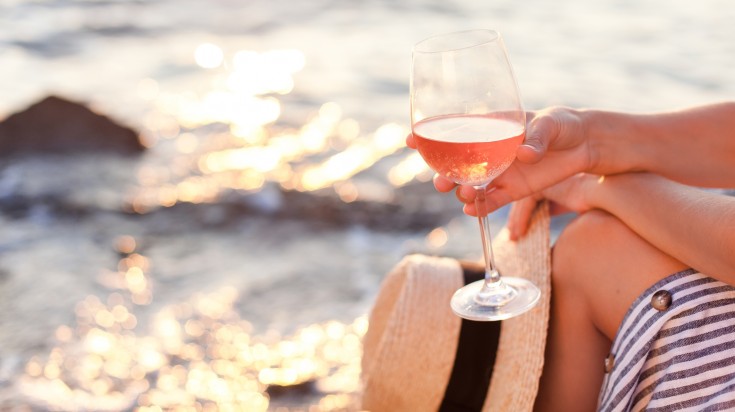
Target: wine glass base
<point>526,296</point>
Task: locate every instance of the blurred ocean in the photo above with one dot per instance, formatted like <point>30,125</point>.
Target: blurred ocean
<point>231,266</point>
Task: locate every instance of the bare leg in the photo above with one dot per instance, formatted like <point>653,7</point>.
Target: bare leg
<point>599,267</point>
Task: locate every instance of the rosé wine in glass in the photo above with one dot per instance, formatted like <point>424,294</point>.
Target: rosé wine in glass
<point>468,149</point>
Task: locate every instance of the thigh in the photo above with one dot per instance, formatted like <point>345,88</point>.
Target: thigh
<point>606,266</point>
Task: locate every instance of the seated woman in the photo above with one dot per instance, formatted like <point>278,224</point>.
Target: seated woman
<point>643,303</point>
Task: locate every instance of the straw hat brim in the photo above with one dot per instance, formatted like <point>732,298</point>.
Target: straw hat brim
<point>411,345</point>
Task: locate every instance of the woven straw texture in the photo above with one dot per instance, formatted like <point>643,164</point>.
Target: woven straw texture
<point>520,357</point>
<point>410,347</point>
<point>413,335</point>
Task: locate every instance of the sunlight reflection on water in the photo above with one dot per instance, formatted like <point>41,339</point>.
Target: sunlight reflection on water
<point>201,354</point>
<point>327,151</point>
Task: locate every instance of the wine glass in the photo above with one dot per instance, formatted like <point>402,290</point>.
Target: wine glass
<point>467,121</point>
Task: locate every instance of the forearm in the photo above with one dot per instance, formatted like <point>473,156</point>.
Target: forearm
<point>694,146</point>
<point>692,225</point>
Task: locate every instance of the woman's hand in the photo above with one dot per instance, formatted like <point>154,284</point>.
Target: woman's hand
<point>570,195</point>
<point>556,147</point>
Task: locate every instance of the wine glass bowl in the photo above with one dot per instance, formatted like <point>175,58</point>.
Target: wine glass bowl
<point>468,121</point>
<point>468,149</point>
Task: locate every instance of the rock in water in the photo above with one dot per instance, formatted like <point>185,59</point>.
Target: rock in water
<point>56,125</point>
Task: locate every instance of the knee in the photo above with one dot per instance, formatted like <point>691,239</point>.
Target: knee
<point>603,265</point>
<point>599,242</point>
<point>585,243</point>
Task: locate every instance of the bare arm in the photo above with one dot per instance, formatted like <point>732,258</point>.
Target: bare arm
<point>695,146</point>
<point>694,226</point>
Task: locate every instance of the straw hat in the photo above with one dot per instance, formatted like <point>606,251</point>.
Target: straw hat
<point>419,356</point>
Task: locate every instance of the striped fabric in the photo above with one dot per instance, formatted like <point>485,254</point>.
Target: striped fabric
<point>681,358</point>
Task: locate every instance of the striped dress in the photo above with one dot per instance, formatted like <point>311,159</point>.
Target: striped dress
<point>675,350</point>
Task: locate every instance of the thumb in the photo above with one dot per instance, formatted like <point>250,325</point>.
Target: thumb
<point>530,151</point>
<point>541,131</point>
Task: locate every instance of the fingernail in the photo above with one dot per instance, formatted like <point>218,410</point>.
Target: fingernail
<point>532,145</point>
<point>532,140</point>
<point>466,196</point>
<point>458,193</point>
<point>513,231</point>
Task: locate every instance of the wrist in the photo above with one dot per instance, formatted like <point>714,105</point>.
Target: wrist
<point>607,191</point>
<point>613,143</point>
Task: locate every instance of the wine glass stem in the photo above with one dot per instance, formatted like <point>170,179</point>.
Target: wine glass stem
<point>494,291</point>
